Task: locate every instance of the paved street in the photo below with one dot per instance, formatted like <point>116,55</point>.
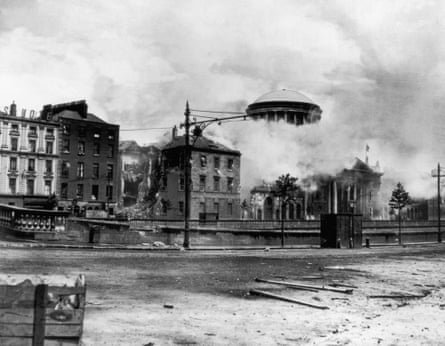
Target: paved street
<point>127,292</point>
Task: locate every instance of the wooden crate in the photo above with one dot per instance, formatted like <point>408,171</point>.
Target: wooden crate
<point>41,310</point>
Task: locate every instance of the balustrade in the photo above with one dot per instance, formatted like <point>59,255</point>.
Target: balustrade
<point>32,220</point>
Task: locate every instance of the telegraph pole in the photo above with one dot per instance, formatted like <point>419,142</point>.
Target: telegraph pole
<point>187,177</point>
<point>439,235</point>
<point>438,175</point>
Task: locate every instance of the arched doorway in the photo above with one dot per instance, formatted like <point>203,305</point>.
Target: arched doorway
<point>268,208</point>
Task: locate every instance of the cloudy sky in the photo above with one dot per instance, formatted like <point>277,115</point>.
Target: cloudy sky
<point>377,69</point>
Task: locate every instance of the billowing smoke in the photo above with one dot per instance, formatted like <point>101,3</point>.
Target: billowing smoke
<point>375,68</point>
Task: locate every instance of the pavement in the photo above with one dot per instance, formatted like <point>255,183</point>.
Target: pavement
<point>11,244</point>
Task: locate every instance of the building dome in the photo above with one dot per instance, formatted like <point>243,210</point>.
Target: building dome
<point>285,105</point>
<point>284,95</point>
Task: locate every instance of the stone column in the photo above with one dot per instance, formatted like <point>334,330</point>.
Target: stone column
<point>335,197</point>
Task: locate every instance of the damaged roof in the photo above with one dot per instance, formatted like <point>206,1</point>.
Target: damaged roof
<point>200,144</point>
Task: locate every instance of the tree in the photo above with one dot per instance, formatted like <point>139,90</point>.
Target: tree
<point>285,188</point>
<point>399,199</point>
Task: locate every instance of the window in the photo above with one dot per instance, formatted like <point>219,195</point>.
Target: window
<point>203,161</point>
<point>181,207</point>
<point>80,169</point>
<point>95,192</point>
<point>31,165</point>
<point>14,143</point>
<point>13,186</point>
<point>33,131</point>
<point>81,148</point>
<point>110,151</point>
<point>164,207</point>
<point>216,183</point>
<point>66,129</point>
<point>110,171</point>
<point>110,135</point>
<point>15,128</point>
<point>109,192</point>
<point>82,131</point>
<point>230,164</point>
<point>64,191</point>
<point>95,171</point>
<point>65,169</point>
<point>229,184</point>
<point>30,187</point>
<point>202,183</point>
<point>216,162</point>
<point>66,146</point>
<point>181,182</point>
<point>79,192</point>
<point>50,132</point>
<point>216,207</point>
<point>49,147</point>
<point>48,185</point>
<point>229,208</point>
<point>12,163</point>
<point>32,145</point>
<point>96,133</point>
<point>48,166</point>
<point>96,148</point>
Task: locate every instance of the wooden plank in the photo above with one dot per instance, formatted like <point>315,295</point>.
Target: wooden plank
<point>39,315</point>
<point>284,283</point>
<point>286,299</point>
<point>398,296</point>
<point>324,288</point>
<point>27,292</point>
<point>23,315</point>
<point>54,330</point>
<point>23,341</point>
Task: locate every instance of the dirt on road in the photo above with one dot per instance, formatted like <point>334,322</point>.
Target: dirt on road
<point>202,298</point>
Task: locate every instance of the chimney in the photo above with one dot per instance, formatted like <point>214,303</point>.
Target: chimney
<point>13,109</point>
<point>174,132</point>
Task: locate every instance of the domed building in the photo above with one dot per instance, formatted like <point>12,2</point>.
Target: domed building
<point>285,105</point>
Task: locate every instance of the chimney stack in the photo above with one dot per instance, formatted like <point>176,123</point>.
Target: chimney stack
<point>13,109</point>
<point>174,132</point>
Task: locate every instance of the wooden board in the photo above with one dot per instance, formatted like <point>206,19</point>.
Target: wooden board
<point>23,341</point>
<point>23,315</point>
<point>52,330</point>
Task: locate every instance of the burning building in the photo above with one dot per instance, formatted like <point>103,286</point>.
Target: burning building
<point>353,190</point>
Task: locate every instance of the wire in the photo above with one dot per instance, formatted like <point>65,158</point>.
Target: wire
<point>148,128</point>
<point>217,112</point>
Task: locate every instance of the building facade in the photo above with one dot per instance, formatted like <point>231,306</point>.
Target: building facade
<point>353,190</point>
<point>215,180</point>
<point>28,159</point>
<point>88,168</point>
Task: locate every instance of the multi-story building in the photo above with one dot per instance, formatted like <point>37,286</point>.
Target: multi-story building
<point>88,169</point>
<point>215,180</point>
<point>28,159</point>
